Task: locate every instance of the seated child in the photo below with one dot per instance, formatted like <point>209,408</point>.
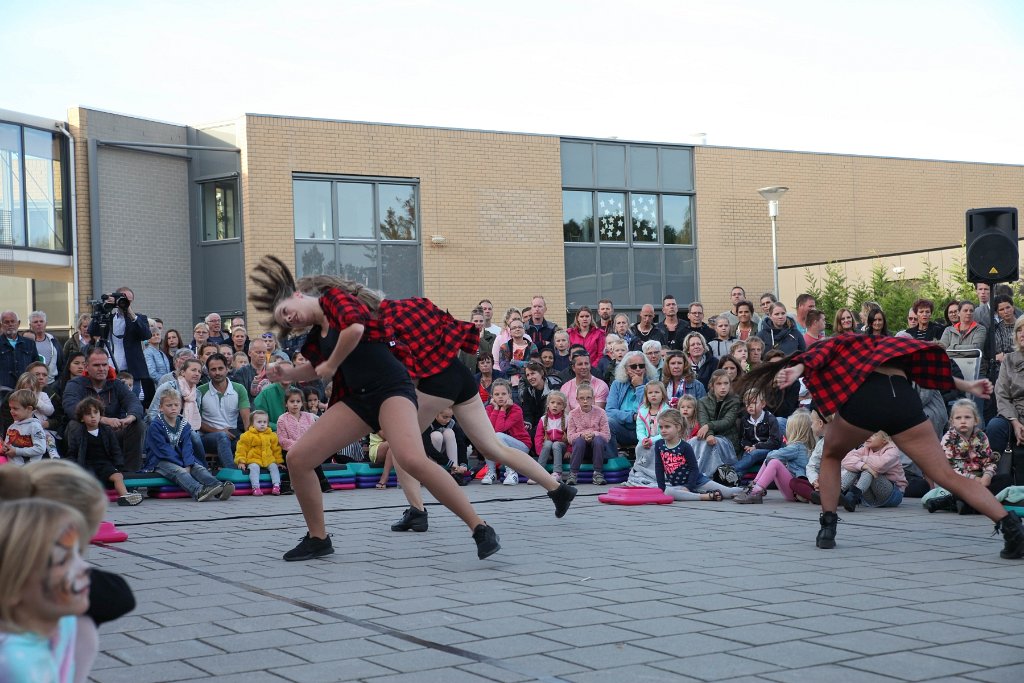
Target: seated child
<point>588,431</point>
<point>45,588</point>
<point>784,465</point>
<point>675,465</point>
<point>258,447</point>
<point>171,455</point>
<point>290,426</point>
<point>647,433</point>
<point>507,419</point>
<point>447,445</point>
<point>97,450</point>
<point>239,360</point>
<point>760,434</point>
<point>313,404</point>
<point>873,474</point>
<point>552,437</point>
<point>718,437</point>
<point>967,449</point>
<point>380,456</point>
<point>26,439</point>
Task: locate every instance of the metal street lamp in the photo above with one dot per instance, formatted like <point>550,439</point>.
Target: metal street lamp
<point>772,194</point>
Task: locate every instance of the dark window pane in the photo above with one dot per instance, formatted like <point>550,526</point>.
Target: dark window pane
<point>358,262</point>
<point>400,270</point>
<point>42,181</point>
<point>680,274</point>
<point>577,216</point>
<point>643,167</point>
<point>219,211</point>
<point>677,215</point>
<point>580,276</point>
<point>614,275</point>
<point>676,169</point>
<point>611,165</point>
<point>315,259</point>
<point>578,164</point>
<point>611,211</point>
<point>12,213</point>
<point>647,276</point>
<point>355,210</point>
<point>397,212</point>
<point>643,212</point>
<point>312,210</point>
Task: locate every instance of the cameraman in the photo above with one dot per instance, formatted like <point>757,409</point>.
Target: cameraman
<point>128,332</point>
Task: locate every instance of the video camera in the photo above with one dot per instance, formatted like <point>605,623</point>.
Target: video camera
<point>103,313</point>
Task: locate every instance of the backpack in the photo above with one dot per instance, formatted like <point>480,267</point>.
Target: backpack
<point>726,475</point>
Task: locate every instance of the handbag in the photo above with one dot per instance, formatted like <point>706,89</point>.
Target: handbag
<point>726,475</point>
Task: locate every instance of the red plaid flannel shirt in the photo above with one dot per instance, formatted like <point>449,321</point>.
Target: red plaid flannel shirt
<point>342,310</point>
<point>836,367</point>
<point>430,339</point>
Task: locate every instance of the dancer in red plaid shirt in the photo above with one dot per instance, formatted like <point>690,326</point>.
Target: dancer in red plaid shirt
<point>349,344</point>
<point>866,381</point>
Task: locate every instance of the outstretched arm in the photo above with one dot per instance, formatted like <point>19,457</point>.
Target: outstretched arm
<point>787,376</point>
<point>348,339</point>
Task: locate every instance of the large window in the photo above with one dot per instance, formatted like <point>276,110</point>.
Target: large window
<point>364,229</point>
<point>627,223</point>
<point>32,189</point>
<point>220,210</point>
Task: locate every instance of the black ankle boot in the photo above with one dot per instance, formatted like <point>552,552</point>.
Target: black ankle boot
<point>412,520</point>
<point>827,534</point>
<point>945,502</point>
<point>1013,536</point>
<point>851,499</point>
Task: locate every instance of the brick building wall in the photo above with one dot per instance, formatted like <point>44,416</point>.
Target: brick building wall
<point>837,207</point>
<point>495,197</point>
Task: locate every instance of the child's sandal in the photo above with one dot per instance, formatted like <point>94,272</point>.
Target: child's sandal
<point>715,496</point>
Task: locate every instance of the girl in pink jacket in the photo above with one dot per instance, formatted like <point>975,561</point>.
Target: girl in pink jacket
<point>873,474</point>
<point>507,419</point>
<point>588,431</point>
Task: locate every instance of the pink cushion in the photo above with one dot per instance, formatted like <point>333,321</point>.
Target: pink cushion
<point>634,495</point>
<point>108,533</point>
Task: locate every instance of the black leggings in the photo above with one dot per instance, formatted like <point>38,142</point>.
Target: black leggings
<point>888,403</point>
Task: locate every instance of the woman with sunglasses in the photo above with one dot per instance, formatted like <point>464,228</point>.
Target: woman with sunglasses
<point>270,339</point>
<point>626,395</point>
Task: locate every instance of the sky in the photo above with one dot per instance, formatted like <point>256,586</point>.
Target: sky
<point>935,79</point>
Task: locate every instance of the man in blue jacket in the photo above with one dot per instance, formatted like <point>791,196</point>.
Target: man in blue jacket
<point>16,351</point>
<point>128,333</point>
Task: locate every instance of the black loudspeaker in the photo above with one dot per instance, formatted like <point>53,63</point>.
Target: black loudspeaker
<point>992,245</point>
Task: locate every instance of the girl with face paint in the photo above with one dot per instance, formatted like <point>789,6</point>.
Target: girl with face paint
<point>44,586</point>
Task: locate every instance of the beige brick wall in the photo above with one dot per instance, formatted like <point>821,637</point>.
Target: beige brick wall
<point>837,207</point>
<point>496,197</point>
<point>78,126</point>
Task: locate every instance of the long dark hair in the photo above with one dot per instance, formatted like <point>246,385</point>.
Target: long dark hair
<point>761,379</point>
<point>65,373</point>
<point>869,328</point>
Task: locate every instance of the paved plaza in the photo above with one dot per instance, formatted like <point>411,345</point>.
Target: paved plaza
<point>681,592</point>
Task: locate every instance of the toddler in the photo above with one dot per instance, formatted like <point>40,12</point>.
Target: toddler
<point>26,439</point>
<point>967,449</point>
<point>785,464</point>
<point>258,446</point>
<point>446,444</point>
<point>873,474</point>
<point>551,437</point>
<point>687,406</point>
<point>647,433</point>
<point>588,431</point>
<point>507,419</point>
<point>97,450</point>
<point>35,379</point>
<point>171,455</point>
<point>675,465</point>
<point>313,404</point>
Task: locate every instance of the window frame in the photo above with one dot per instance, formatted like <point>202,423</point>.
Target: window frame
<point>237,208</point>
<point>65,193</point>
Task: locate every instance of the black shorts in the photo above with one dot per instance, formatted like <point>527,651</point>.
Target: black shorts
<point>455,383</point>
<point>373,375</point>
<point>884,402</point>
<point>102,471</point>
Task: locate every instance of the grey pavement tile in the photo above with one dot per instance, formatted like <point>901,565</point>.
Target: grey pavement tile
<point>148,673</point>
<point>432,676</point>
<point>164,652</point>
<point>827,674</point>
<point>633,674</point>
<point>242,642</point>
<point>419,660</point>
<point>649,609</point>
<point>493,672</point>
<point>153,636</point>
<point>516,646</point>
<point>578,617</point>
<point>829,624</point>
<point>508,626</point>
<point>760,634</point>
<point>582,636</point>
<point>785,654</point>
<point>911,665</point>
<point>688,643</point>
<point>665,626</point>
<point>1002,674</point>
<point>869,642</point>
<point>338,649</point>
<point>232,663</point>
<point>980,653</point>
<point>938,633</point>
<point>734,617</point>
<point>335,631</point>
<point>331,672</point>
<point>538,666</point>
<point>716,667</point>
<point>248,677</point>
<point>603,657</point>
<point>1001,623</point>
<point>797,609</point>
<point>270,621</point>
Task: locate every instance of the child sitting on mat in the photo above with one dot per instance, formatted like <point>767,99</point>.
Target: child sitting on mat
<point>446,444</point>
<point>675,465</point>
<point>259,448</point>
<point>96,449</point>
<point>290,426</point>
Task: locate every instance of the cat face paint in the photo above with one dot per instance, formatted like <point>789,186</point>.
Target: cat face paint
<point>67,576</point>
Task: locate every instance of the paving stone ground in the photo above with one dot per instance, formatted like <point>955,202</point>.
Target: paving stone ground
<point>682,592</point>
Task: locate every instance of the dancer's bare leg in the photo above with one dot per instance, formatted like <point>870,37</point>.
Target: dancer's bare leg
<point>410,486</point>
<point>398,419</point>
<point>338,427</point>
<point>840,438</point>
<point>921,446</point>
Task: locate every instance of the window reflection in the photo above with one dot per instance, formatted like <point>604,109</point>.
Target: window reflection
<point>397,212</point>
<point>611,211</point>
<point>577,216</point>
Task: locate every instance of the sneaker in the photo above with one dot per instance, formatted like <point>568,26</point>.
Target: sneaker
<point>511,478</point>
<point>257,491</point>
<point>562,497</point>
<point>750,497</point>
<point>228,488</point>
<point>131,498</point>
<point>486,541</point>
<point>816,497</point>
<point>489,478</point>
<point>310,548</point>
<point>276,491</point>
<point>207,492</point>
<point>412,520</point>
<point>598,479</point>
<point>570,479</point>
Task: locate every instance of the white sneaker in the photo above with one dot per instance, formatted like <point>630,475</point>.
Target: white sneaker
<point>489,478</point>
<point>511,478</point>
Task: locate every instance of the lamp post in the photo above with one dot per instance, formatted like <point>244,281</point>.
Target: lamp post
<point>772,194</point>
